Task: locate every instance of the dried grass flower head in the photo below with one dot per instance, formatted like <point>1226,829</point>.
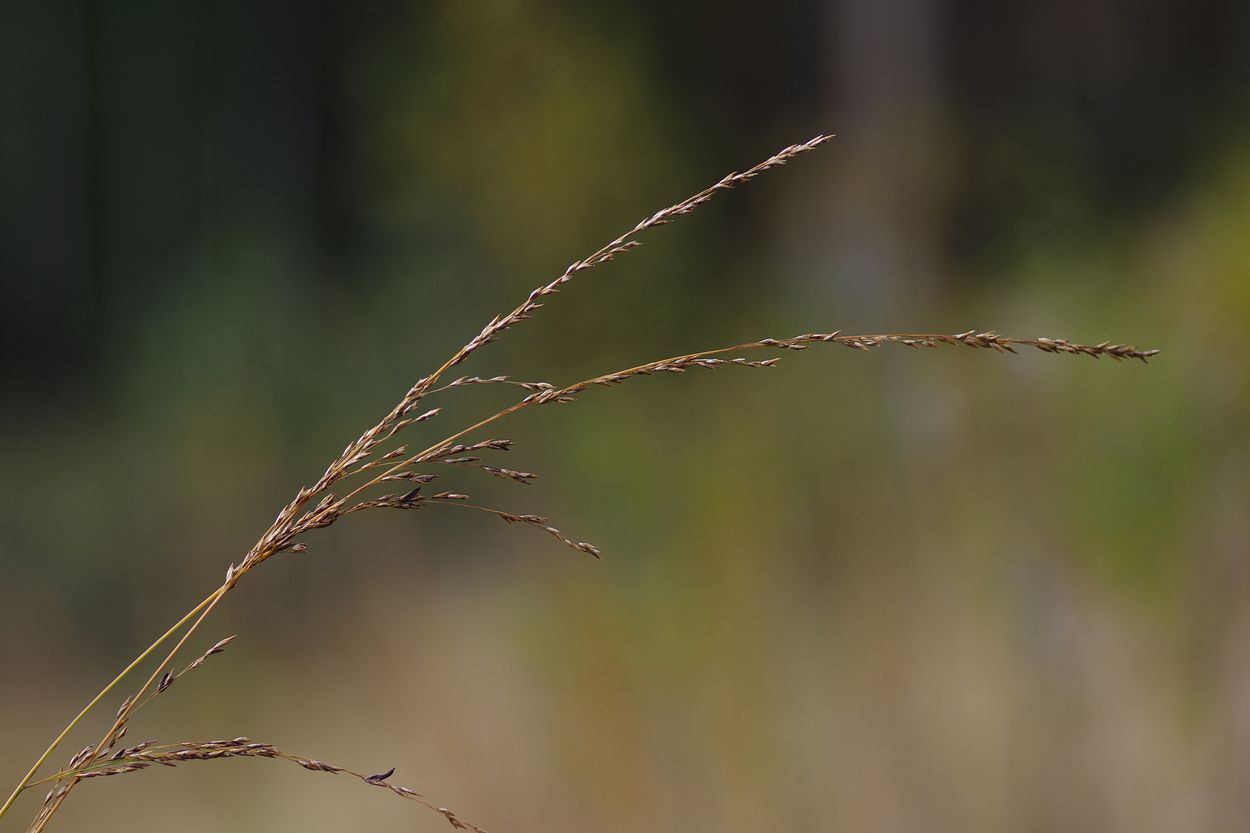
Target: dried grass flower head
<point>382,469</point>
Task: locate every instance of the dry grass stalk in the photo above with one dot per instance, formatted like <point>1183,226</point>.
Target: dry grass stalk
<point>143,755</point>
<point>367,461</point>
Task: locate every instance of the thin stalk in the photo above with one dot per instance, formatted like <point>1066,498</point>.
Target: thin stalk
<point>108,689</point>
<point>203,609</point>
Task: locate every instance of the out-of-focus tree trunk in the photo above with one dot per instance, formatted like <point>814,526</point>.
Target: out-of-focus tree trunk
<point>887,85</point>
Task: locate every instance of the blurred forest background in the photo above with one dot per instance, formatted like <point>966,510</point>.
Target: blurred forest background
<point>901,591</point>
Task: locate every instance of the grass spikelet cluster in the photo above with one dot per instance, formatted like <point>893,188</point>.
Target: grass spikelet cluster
<point>381,469</point>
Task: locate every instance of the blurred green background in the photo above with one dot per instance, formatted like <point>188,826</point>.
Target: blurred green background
<point>898,591</point>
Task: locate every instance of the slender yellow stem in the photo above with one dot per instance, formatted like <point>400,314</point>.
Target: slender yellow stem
<point>202,609</point>
<point>73,724</point>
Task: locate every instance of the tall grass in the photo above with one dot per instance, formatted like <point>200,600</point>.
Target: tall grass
<point>378,470</point>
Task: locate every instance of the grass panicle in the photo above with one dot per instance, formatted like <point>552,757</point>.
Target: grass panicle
<point>148,753</point>
<point>374,472</point>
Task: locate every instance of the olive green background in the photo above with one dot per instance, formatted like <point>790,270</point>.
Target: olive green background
<point>899,591</point>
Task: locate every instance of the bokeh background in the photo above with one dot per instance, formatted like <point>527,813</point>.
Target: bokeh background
<point>897,591</point>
